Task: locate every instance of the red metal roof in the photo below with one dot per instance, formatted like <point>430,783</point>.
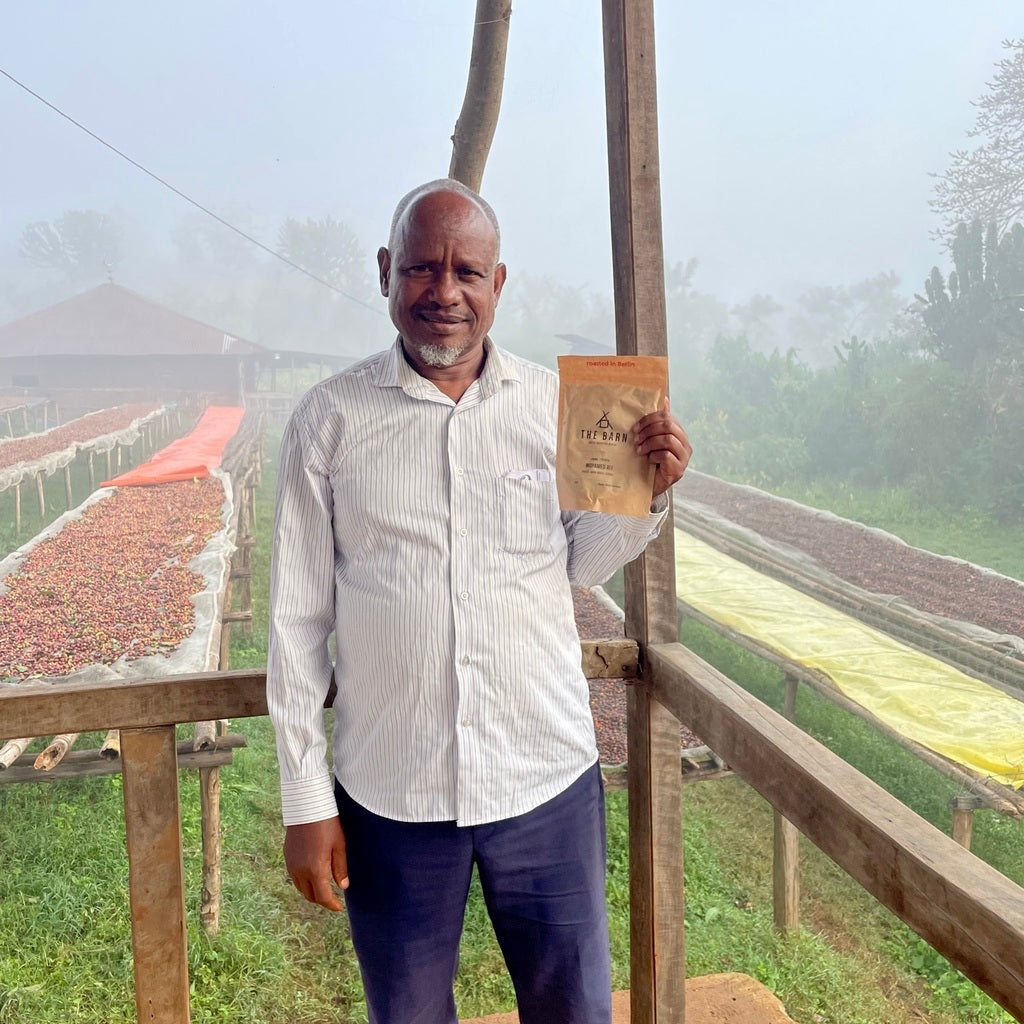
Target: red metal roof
<point>111,320</point>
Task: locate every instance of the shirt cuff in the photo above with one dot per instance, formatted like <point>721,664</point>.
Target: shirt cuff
<point>305,800</point>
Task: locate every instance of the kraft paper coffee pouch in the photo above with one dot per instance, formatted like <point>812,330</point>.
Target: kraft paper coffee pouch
<point>600,400</point>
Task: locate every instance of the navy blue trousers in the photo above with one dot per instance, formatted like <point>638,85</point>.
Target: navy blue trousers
<point>543,879</point>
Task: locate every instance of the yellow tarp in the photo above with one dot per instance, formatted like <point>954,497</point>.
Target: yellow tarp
<point>923,699</point>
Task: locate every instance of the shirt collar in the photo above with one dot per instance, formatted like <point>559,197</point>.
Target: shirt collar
<point>394,371</point>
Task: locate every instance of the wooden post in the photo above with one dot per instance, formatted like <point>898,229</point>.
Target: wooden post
<point>92,472</point>
<point>155,874</point>
<point>67,487</point>
<point>225,628</point>
<point>110,468</point>
<point>786,859</point>
<point>209,801</point>
<point>657,964</point>
<point>963,808</point>
<point>41,495</point>
<point>17,507</point>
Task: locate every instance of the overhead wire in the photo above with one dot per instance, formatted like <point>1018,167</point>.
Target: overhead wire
<point>188,199</point>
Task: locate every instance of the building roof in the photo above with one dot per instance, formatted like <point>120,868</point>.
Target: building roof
<point>111,320</point>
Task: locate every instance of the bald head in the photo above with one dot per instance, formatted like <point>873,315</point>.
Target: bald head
<point>454,187</point>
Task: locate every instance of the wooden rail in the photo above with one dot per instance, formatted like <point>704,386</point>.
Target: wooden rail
<point>969,912</point>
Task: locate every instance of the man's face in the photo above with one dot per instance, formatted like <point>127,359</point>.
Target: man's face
<point>442,280</point>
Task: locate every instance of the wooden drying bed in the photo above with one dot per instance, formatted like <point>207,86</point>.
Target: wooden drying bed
<point>992,666</point>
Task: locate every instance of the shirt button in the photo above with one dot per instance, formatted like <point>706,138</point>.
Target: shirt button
<point>464,595</point>
<point>465,659</point>
<point>459,471</point>
<point>467,722</point>
<point>463,532</point>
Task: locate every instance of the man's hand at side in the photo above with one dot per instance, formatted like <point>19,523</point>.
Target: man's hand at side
<point>314,854</point>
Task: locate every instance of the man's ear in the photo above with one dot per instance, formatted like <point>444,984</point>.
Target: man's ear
<point>384,267</point>
<point>500,273</point>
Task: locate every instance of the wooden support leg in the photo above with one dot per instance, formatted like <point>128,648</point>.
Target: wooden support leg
<point>17,507</point>
<point>156,875</point>
<point>786,860</point>
<point>786,874</point>
<point>209,798</point>
<point>963,808</point>
<point>657,966</point>
<point>92,473</point>
<point>68,497</point>
<point>41,495</point>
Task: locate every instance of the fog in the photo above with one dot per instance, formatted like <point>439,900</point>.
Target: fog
<point>799,154</point>
<point>796,147</point>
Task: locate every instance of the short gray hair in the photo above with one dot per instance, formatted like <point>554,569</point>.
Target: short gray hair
<point>445,185</point>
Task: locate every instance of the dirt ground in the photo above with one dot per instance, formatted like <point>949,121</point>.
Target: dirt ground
<point>713,999</point>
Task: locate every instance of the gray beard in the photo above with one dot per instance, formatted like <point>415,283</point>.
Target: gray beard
<point>439,355</point>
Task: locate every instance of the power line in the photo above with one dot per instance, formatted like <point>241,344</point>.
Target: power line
<point>188,199</point>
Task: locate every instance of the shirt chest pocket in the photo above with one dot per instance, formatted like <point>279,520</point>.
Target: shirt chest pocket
<point>528,516</point>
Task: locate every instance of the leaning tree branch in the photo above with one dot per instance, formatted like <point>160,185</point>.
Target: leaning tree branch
<point>478,118</point>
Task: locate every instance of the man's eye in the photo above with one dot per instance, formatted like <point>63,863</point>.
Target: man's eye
<point>469,272</point>
<point>418,268</point>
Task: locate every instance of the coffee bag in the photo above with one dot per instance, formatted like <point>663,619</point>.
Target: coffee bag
<point>600,400</point>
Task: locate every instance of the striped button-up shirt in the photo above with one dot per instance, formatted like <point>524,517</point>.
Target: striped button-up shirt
<point>426,535</point>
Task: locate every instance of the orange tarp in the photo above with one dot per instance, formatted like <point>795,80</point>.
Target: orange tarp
<point>191,456</point>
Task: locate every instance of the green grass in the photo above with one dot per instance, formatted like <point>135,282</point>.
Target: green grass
<point>64,933</point>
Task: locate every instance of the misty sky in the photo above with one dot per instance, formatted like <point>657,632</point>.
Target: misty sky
<point>796,137</point>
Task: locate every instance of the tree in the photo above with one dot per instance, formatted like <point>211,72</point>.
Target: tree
<point>695,319</point>
<point>986,183</point>
<point>327,248</point>
<point>474,130</point>
<point>84,245</point>
<point>831,314</point>
<point>975,317</point>
<point>752,319</point>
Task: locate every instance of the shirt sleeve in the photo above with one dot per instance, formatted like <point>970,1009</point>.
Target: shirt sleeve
<point>301,621</point>
<point>602,542</point>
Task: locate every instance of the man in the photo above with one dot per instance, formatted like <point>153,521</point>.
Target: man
<point>418,521</point>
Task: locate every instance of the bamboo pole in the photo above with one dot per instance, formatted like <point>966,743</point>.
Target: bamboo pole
<point>205,737</point>
<point>12,750</point>
<point>52,756</point>
<point>111,749</point>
